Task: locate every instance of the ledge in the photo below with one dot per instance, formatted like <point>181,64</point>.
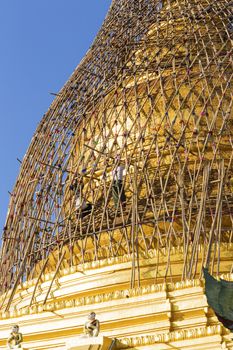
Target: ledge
<point>85,343</point>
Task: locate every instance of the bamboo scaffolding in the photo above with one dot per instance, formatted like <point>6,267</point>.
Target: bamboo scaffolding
<point>155,95</point>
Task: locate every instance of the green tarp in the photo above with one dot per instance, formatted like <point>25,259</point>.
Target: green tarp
<point>220,297</point>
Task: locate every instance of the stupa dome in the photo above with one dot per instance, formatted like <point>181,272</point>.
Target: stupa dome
<point>135,152</point>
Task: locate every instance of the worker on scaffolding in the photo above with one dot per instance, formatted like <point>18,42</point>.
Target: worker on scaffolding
<point>80,202</point>
<point>118,191</point>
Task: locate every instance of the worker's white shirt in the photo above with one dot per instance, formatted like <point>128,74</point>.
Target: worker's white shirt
<point>118,172</point>
<point>80,203</point>
<point>159,6</point>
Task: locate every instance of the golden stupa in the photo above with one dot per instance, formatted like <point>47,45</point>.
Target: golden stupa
<point>126,190</point>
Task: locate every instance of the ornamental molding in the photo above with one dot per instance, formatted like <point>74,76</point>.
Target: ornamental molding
<point>170,337</point>
<point>106,262</point>
<point>119,294</point>
<point>100,298</point>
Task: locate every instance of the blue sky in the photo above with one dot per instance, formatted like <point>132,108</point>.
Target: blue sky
<point>41,43</point>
